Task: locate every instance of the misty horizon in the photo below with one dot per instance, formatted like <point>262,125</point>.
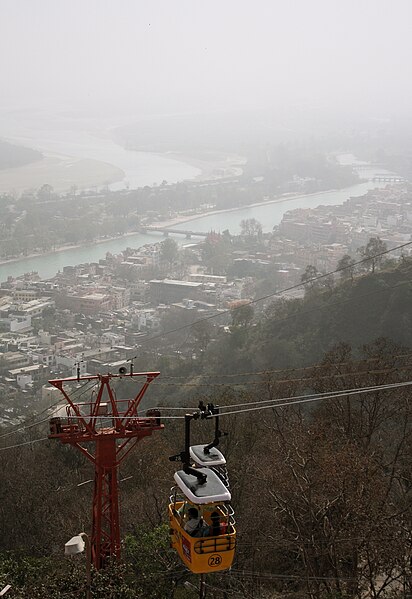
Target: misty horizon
<point>137,59</point>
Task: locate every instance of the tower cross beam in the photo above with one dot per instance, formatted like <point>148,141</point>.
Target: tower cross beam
<point>113,438</point>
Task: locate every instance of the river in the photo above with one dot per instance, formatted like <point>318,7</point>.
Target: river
<point>67,139</point>
<point>269,214</point>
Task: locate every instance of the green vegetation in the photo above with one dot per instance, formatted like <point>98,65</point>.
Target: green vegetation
<point>322,490</point>
<point>322,493</point>
<point>41,221</point>
<point>298,332</point>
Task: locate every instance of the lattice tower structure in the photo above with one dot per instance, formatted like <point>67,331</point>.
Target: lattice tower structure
<point>113,428</point>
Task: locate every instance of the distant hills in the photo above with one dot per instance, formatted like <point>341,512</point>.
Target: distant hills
<point>12,156</point>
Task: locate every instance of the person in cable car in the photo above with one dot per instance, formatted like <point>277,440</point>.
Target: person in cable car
<point>195,525</point>
<point>215,528</point>
<point>201,522</point>
<point>202,525</point>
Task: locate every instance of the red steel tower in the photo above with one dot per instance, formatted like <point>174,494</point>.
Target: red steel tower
<point>114,427</point>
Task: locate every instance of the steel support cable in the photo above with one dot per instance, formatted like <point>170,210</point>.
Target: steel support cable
<point>270,576</point>
<point>274,404</point>
<point>282,381</point>
<point>279,370</point>
<point>307,397</point>
<point>274,294</point>
<point>24,443</point>
<point>24,426</point>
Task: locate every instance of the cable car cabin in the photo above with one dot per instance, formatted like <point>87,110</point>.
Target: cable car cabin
<point>212,458</point>
<point>206,544</point>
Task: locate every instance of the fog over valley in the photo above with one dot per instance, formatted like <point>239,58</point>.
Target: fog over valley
<point>190,77</point>
<point>205,284</point>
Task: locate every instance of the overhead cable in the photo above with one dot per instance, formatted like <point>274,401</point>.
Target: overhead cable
<point>274,403</point>
<point>279,370</point>
<point>25,425</point>
<point>274,294</point>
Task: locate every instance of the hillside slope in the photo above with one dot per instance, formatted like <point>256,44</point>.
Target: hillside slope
<point>299,332</point>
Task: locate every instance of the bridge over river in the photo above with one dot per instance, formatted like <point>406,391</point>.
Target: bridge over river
<point>383,178</point>
<point>167,230</point>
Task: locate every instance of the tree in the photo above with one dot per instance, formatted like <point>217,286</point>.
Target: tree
<point>250,227</point>
<point>169,250</point>
<point>215,254</point>
<point>346,267</point>
<point>202,333</point>
<point>242,313</point>
<point>372,252</point>
<point>311,272</point>
<point>45,192</point>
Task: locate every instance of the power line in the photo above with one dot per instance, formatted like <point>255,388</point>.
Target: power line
<point>339,303</point>
<point>20,427</point>
<point>308,399</point>
<point>24,426</point>
<point>271,576</point>
<point>279,370</point>
<point>274,294</point>
<point>279,381</point>
<point>24,443</point>
<point>279,403</point>
<point>307,396</point>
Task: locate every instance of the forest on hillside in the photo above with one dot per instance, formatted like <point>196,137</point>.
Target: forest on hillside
<point>316,403</point>
<point>322,491</point>
<point>351,308</point>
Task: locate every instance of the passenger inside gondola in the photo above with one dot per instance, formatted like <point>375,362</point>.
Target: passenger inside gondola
<point>201,523</point>
<point>215,528</point>
<point>195,524</point>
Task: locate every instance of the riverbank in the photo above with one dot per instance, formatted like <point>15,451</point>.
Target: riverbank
<point>178,220</point>
<point>269,213</point>
<point>67,248</point>
<point>215,166</point>
<point>61,172</point>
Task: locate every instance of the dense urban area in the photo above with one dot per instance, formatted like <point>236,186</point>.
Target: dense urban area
<point>100,315</point>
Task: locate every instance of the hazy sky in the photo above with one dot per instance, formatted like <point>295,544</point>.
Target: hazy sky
<point>166,56</point>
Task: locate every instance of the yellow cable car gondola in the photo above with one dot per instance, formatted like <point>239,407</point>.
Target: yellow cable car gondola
<point>202,524</point>
<point>211,547</point>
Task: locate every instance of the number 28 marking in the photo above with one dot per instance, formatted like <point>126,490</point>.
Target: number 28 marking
<point>214,560</point>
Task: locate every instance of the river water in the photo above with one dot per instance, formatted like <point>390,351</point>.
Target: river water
<point>269,214</point>
<point>60,135</point>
